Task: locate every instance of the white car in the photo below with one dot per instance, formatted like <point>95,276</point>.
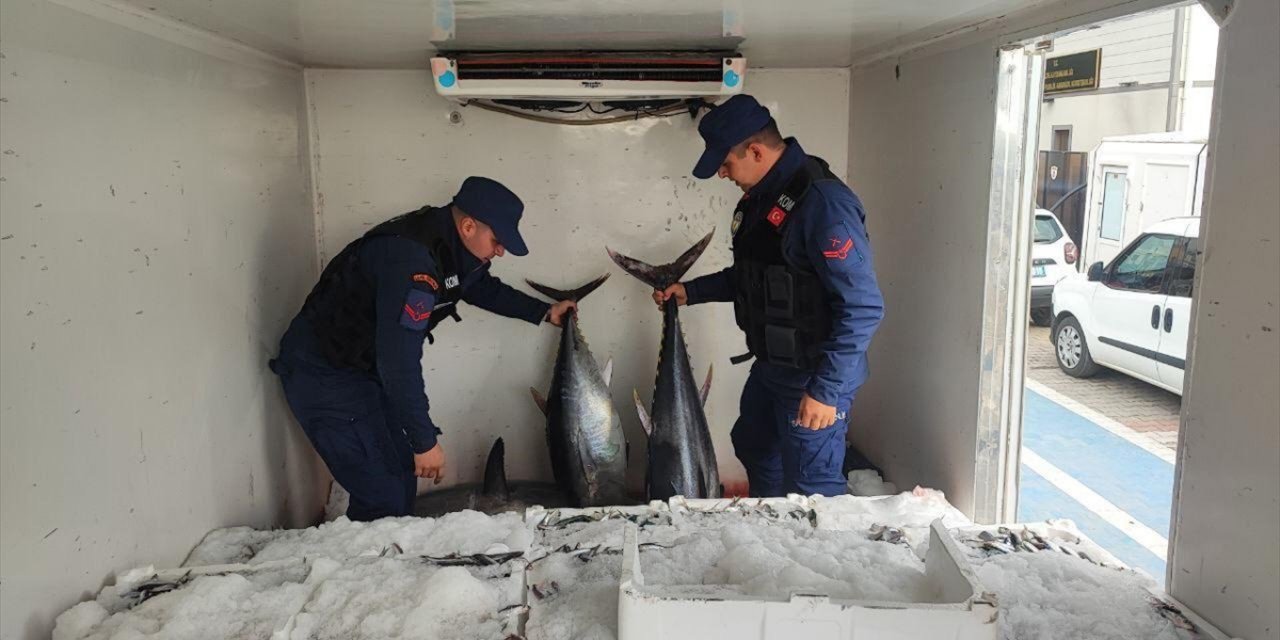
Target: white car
<point>1053,257</point>
<point>1131,315</point>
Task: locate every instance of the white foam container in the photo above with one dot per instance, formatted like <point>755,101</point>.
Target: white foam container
<point>960,610</point>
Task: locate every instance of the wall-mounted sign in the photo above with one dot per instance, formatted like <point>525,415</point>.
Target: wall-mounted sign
<point>1074,72</point>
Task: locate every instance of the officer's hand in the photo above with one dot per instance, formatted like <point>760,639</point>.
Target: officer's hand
<point>430,463</point>
<point>556,313</point>
<point>676,290</point>
<point>815,415</point>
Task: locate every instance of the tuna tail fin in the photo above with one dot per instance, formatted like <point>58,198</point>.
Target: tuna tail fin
<point>495,473</point>
<point>662,276</point>
<point>574,294</point>
<point>539,400</point>
<point>645,421</point>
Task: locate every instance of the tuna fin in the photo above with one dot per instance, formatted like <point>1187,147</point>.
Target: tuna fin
<point>587,461</point>
<point>574,295</point>
<point>608,371</point>
<point>706,386</point>
<point>539,400</point>
<point>662,276</point>
<point>645,422</point>
<point>495,473</point>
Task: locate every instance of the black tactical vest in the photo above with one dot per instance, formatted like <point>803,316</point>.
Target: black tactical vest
<point>341,306</point>
<point>781,307</point>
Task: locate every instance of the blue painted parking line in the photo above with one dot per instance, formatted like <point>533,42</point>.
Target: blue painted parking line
<point>1038,500</point>
<point>1126,475</point>
<point>1129,477</point>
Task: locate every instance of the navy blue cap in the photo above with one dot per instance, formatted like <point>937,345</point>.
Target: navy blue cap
<point>495,205</point>
<point>737,119</point>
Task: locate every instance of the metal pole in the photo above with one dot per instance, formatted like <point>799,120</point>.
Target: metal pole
<point>1177,69</point>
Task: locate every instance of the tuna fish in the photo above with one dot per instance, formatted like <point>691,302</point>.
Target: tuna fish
<point>495,496</point>
<point>682,460</point>
<point>584,435</point>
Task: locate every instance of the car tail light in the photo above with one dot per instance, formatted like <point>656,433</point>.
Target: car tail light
<point>1070,253</point>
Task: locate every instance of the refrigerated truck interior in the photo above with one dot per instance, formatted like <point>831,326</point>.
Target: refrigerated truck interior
<point>177,173</point>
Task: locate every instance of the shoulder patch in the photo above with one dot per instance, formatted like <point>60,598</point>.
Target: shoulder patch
<point>417,309</point>
<point>838,245</point>
<point>427,279</point>
<point>839,250</point>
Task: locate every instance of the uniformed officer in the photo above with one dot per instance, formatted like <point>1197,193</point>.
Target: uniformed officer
<point>804,293</point>
<point>351,361</point>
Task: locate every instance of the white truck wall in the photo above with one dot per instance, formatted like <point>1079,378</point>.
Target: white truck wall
<point>1224,561</point>
<point>385,146</point>
<point>920,140</point>
<point>156,237</point>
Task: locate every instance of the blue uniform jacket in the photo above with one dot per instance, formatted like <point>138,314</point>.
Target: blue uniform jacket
<point>828,236</point>
<point>399,270</point>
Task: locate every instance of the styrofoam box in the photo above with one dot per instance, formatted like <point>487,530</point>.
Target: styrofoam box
<point>960,610</point>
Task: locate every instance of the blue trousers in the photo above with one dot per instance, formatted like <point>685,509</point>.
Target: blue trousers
<point>779,456</point>
<point>344,415</point>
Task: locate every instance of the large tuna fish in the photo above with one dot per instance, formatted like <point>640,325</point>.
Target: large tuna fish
<point>494,496</point>
<point>584,434</point>
<point>682,460</point>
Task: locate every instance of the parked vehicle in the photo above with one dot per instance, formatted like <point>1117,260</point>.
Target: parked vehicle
<point>1053,257</point>
<point>1137,181</point>
<point>1131,315</point>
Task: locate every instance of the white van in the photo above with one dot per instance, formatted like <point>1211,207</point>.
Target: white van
<point>1131,315</point>
<point>1137,181</point>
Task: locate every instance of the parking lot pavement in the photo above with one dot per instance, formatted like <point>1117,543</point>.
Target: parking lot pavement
<point>1141,407</point>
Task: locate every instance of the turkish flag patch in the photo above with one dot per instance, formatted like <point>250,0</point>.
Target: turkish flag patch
<point>417,309</point>
<point>776,216</point>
